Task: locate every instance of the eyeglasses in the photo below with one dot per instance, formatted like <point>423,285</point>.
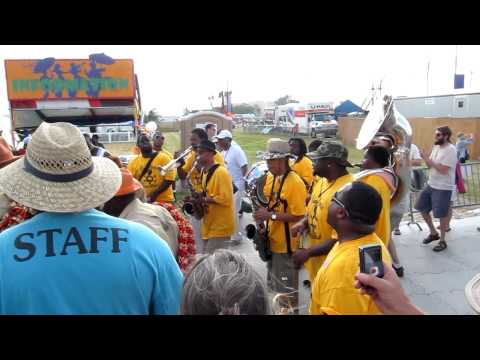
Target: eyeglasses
<point>339,202</point>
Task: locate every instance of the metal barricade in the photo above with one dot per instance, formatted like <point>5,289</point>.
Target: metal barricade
<point>471,177</point>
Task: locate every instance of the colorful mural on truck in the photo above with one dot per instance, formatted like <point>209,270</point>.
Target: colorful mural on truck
<point>99,77</point>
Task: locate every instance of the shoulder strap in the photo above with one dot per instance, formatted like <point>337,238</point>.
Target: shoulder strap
<point>210,174</point>
<point>285,206</point>
<point>147,167</point>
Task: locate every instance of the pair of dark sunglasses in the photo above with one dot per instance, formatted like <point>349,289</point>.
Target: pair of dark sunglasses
<point>354,217</point>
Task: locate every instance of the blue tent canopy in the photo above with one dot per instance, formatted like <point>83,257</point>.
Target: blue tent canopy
<point>347,107</point>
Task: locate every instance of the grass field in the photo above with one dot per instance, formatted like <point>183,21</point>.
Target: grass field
<point>250,143</point>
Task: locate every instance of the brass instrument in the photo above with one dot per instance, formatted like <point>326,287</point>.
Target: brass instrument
<point>257,232</point>
<point>175,163</point>
<point>194,204</point>
<point>384,117</point>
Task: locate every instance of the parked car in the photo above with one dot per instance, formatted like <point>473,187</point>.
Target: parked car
<point>327,128</point>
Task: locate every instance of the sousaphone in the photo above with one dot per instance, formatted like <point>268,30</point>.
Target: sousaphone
<point>384,117</point>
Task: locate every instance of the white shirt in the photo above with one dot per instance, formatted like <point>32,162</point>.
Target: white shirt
<point>235,158</point>
<point>414,153</point>
<point>156,218</point>
<point>444,155</point>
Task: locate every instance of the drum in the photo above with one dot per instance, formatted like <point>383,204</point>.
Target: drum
<point>258,170</point>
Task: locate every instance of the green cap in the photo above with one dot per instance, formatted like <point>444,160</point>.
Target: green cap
<point>331,150</point>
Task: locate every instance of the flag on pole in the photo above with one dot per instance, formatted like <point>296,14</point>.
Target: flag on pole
<point>229,102</point>
<point>459,82</point>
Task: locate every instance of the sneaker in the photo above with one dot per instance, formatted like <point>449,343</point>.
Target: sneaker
<point>397,232</point>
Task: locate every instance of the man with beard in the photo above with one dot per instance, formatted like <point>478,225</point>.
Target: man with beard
<point>438,192</point>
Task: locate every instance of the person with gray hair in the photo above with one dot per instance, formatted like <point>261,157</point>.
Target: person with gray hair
<point>224,283</point>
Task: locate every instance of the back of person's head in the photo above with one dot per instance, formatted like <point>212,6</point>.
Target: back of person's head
<point>202,134</point>
<point>301,144</point>
<point>445,130</point>
<point>224,283</point>
<point>362,202</point>
<point>379,155</point>
<point>314,145</point>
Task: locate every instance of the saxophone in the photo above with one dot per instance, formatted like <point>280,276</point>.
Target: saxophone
<point>258,232</point>
<point>194,204</point>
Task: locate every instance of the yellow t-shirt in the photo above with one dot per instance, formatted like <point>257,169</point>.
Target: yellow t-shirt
<point>295,193</point>
<point>168,153</point>
<point>153,179</point>
<point>219,221</point>
<point>334,285</point>
<point>317,211</point>
<point>196,179</point>
<point>382,229</point>
<point>304,168</point>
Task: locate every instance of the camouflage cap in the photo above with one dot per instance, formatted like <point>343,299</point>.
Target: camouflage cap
<point>331,150</point>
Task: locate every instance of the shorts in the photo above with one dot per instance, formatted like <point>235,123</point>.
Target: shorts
<point>436,200</point>
<point>212,244</point>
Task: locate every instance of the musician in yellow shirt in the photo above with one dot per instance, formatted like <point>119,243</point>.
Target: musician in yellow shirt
<point>145,168</point>
<point>311,148</point>
<point>302,165</point>
<point>353,212</point>
<point>218,223</point>
<point>158,142</point>
<point>198,135</point>
<point>377,157</point>
<point>286,194</point>
<point>331,162</point>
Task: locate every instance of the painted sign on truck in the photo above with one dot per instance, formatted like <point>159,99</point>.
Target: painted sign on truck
<point>98,77</point>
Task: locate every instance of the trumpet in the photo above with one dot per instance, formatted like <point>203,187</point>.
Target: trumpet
<point>173,164</point>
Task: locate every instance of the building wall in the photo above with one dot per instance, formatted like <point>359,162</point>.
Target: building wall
<point>440,106</point>
<point>423,131</point>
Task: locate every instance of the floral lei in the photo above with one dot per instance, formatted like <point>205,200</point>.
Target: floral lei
<point>186,241</point>
<point>16,214</point>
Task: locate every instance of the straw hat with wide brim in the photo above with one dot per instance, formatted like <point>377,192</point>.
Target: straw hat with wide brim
<point>58,173</point>
<point>277,149</point>
<point>472,292</point>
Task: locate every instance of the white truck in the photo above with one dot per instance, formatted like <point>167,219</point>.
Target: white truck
<point>311,119</point>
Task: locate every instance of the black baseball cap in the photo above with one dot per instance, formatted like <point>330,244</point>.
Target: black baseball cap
<point>207,145</point>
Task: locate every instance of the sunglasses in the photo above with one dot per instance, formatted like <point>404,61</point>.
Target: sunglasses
<point>339,202</point>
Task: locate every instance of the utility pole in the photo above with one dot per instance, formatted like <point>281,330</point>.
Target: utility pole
<point>428,70</point>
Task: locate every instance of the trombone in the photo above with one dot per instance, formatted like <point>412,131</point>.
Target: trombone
<point>173,164</point>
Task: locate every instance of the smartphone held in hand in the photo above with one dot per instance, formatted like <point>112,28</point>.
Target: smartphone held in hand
<point>371,260</point>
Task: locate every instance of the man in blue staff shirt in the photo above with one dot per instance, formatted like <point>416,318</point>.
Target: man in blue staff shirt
<point>71,258</point>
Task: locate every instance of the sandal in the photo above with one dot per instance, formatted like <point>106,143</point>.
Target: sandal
<point>399,270</point>
<point>442,245</point>
<point>431,238</point>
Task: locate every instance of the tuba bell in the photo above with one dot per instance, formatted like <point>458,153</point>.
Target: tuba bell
<point>385,118</point>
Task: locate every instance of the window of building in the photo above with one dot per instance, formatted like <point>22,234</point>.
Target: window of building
<point>460,103</point>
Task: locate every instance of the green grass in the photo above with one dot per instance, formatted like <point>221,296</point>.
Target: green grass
<point>250,143</point>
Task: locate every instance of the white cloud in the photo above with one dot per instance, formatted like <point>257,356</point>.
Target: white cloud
<point>174,77</point>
